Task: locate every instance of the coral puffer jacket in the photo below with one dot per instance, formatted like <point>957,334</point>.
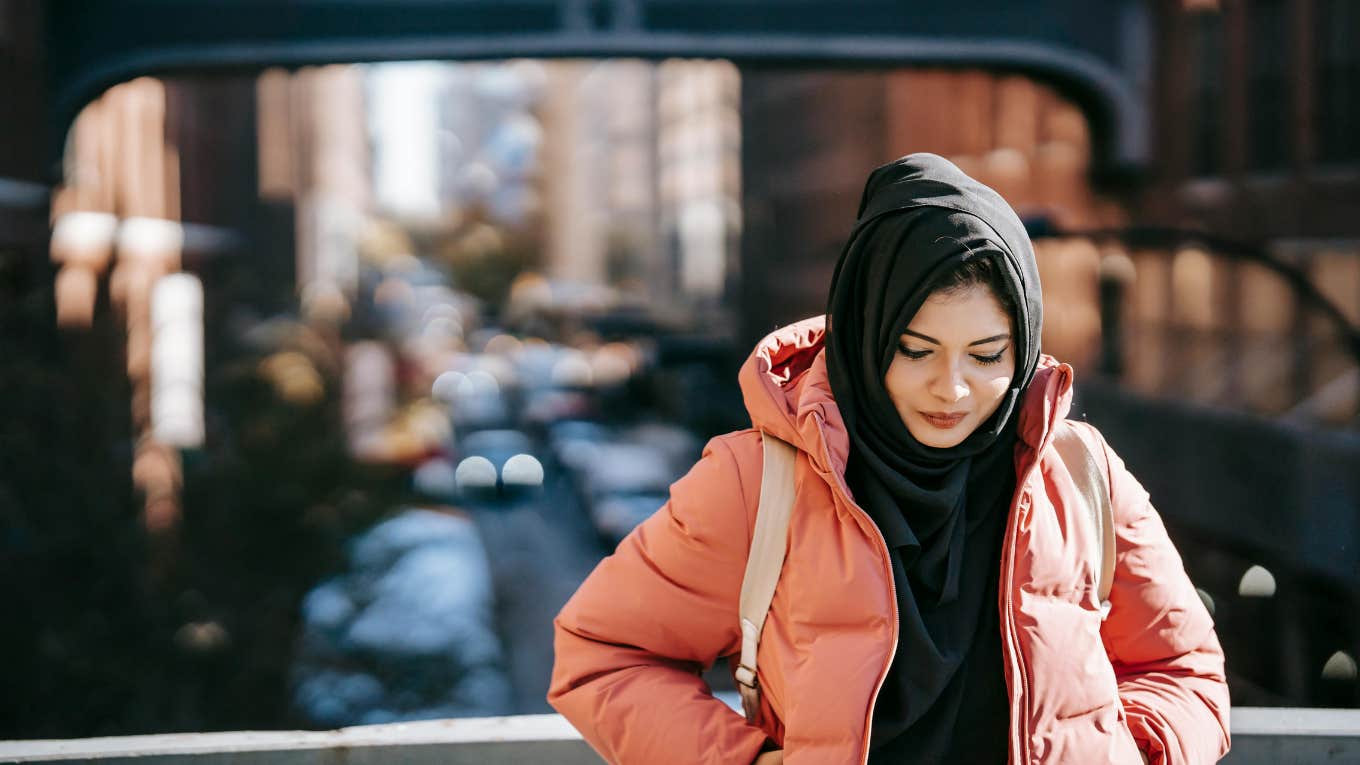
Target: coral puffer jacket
<point>632,641</point>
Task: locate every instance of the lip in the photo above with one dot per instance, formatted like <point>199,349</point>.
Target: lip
<point>944,420</point>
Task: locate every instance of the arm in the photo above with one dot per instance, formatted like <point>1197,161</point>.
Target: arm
<point>631,642</point>
<point>1160,638</point>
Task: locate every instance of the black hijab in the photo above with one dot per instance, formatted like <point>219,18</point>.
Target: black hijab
<point>941,510</point>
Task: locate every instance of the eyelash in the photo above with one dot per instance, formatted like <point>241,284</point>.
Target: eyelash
<point>984,360</point>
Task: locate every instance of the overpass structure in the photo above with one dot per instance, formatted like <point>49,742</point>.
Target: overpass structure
<point>1098,53</point>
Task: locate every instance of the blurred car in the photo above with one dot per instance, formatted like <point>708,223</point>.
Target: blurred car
<point>407,632</point>
<point>616,516</point>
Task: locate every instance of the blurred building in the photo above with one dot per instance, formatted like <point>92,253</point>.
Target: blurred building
<point>1017,135</point>
<point>1256,147</point>
<point>23,178</point>
<point>1257,138</point>
<point>313,174</point>
<point>642,179</point>
<point>700,175</point>
<point>599,186</point>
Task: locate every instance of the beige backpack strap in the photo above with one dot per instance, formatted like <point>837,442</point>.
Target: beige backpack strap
<point>769,543</point>
<point>1094,488</point>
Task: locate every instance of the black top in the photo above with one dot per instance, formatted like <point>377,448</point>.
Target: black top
<point>969,722</point>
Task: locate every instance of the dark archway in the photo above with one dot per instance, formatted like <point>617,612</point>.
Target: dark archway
<point>1093,51</point>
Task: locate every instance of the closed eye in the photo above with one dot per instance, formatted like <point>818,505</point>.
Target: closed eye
<point>981,358</point>
<point>993,359</point>
<point>909,353</point>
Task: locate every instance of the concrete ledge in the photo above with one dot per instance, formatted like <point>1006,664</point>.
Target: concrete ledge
<point>1294,736</point>
<point>475,741</point>
<point>1260,736</point>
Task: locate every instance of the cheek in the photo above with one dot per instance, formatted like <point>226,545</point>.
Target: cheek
<point>994,389</point>
<point>900,383</point>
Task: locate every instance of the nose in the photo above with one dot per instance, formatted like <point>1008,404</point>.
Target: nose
<point>949,385</point>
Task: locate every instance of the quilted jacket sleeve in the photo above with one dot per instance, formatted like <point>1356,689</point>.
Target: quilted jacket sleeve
<point>1160,637</point>
<point>631,642</point>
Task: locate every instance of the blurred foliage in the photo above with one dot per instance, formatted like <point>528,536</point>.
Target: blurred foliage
<point>484,260</point>
<point>71,549</point>
<point>127,632</point>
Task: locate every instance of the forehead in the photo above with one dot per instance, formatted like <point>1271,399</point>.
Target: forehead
<point>971,311</point>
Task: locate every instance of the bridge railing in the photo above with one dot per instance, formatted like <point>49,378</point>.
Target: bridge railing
<point>1260,736</point>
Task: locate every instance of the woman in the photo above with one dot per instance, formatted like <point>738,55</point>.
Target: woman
<point>938,600</point>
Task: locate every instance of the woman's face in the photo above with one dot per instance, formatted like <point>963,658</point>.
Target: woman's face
<point>953,366</point>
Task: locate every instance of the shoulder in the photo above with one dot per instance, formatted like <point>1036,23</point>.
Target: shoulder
<point>732,457</point>
<point>742,447</point>
<point>726,478</point>
<point>746,451</point>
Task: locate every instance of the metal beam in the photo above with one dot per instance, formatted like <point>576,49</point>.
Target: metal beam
<point>1079,47</point>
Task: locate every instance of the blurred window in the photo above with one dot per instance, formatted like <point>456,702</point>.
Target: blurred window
<point>1338,80</point>
<point>1271,52</point>
<point>1206,52</point>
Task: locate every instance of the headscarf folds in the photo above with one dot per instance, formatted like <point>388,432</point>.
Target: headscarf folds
<point>919,218</point>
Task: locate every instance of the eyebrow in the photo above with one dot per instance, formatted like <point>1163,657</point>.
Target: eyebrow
<point>983,341</point>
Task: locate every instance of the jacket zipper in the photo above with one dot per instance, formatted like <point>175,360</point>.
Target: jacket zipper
<point>1013,534</point>
<point>892,587</point>
<point>1008,581</point>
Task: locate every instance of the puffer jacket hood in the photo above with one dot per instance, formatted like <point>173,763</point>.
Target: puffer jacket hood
<point>788,395</point>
